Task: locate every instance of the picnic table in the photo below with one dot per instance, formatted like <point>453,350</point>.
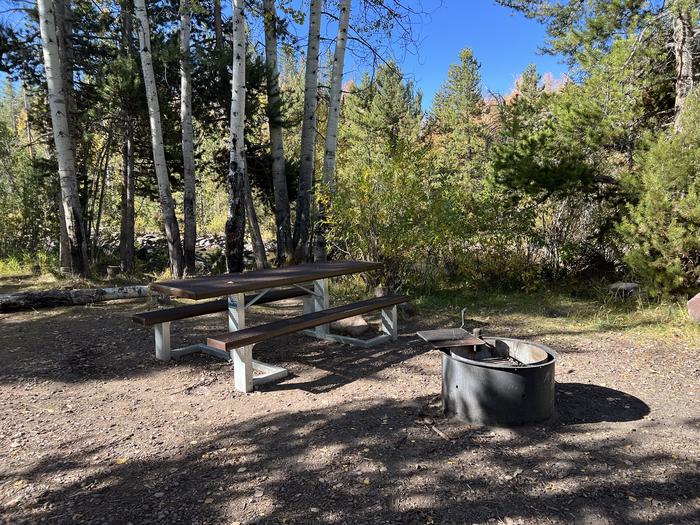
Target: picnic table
<point>308,281</point>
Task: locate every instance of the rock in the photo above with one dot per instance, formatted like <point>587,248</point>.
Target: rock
<point>622,288</point>
<point>407,310</point>
<point>694,308</point>
<point>352,326</point>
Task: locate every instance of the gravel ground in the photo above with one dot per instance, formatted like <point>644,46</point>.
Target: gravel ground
<point>94,430</point>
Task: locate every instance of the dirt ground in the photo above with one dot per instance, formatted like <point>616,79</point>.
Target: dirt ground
<point>94,430</point>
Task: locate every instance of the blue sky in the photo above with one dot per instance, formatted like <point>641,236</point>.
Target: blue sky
<point>503,41</point>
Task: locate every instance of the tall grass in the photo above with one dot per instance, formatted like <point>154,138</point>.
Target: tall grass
<point>26,263</point>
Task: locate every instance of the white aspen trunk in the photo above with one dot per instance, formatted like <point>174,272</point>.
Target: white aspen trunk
<point>251,214</point>
<point>63,244</point>
<point>190,236</point>
<point>683,51</point>
<point>172,230</point>
<point>64,37</point>
<point>274,118</point>
<point>16,302</point>
<point>235,223</point>
<point>302,223</point>
<point>336,91</point>
<point>70,201</point>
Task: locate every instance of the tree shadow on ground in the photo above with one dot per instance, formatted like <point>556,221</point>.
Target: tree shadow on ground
<point>341,363</point>
<point>352,461</point>
<point>375,464</point>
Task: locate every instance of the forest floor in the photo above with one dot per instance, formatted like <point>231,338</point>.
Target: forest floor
<point>94,430</point>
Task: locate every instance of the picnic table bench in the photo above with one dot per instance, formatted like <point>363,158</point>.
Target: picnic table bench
<point>308,281</point>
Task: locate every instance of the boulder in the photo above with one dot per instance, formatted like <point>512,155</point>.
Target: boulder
<point>694,308</point>
<point>352,326</point>
<point>407,310</point>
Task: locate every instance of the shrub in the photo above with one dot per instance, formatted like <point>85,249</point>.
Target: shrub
<point>662,229</point>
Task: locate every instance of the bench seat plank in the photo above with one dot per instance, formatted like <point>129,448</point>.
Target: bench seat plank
<point>254,334</point>
<point>193,310</point>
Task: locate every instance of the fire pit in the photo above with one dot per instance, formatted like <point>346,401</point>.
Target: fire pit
<point>494,380</point>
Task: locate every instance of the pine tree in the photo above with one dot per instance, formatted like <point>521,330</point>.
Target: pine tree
<point>662,231</point>
<point>457,120</point>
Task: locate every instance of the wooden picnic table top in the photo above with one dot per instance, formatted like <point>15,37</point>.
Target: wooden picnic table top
<point>231,283</point>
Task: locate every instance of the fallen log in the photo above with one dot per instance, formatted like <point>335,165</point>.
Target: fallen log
<point>18,301</point>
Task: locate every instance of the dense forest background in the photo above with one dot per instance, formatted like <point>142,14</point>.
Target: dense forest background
<point>589,176</point>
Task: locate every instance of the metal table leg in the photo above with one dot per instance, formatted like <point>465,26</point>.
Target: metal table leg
<point>321,302</point>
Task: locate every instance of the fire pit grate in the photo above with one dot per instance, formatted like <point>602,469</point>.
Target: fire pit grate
<point>494,381</point>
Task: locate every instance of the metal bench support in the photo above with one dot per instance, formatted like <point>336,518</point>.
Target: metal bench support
<point>269,372</point>
<point>321,302</point>
<point>236,312</point>
<point>390,327</point>
<point>242,358</point>
<point>162,332</point>
<point>243,368</point>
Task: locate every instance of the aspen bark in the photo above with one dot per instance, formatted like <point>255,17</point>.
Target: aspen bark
<point>63,244</point>
<point>190,236</point>
<point>235,223</point>
<point>18,301</point>
<point>302,223</point>
<point>336,91</point>
<point>172,230</point>
<point>683,51</point>
<point>283,226</point>
<point>126,228</point>
<point>65,153</point>
<point>64,37</point>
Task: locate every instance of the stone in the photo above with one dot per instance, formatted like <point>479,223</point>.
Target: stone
<point>694,308</point>
<point>622,288</point>
<point>407,310</point>
<point>352,326</point>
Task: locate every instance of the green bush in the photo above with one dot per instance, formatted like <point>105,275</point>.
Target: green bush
<point>388,216</point>
<point>663,228</point>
